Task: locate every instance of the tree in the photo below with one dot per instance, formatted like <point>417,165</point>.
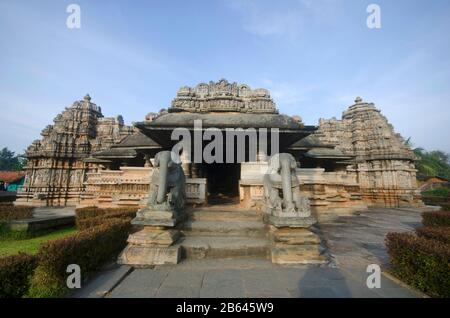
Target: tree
<point>433,163</point>
<point>10,161</point>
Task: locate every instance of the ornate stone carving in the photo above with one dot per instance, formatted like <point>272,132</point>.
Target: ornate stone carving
<point>291,208</point>
<point>55,163</point>
<point>153,245</point>
<point>384,164</point>
<point>223,96</point>
<point>167,195</point>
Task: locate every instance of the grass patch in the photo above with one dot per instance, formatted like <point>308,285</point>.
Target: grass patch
<point>31,246</point>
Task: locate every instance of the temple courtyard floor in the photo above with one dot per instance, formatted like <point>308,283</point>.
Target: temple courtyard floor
<point>354,242</point>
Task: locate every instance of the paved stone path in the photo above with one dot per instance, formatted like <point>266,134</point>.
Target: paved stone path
<point>354,242</point>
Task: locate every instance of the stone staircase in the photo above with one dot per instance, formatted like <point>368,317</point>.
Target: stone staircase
<point>223,232</point>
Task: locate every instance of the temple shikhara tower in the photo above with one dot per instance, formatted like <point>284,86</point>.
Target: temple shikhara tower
<point>56,172</point>
<point>341,165</point>
<point>383,164</point>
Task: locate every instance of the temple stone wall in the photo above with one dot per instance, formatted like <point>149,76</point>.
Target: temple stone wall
<point>56,171</point>
<point>129,187</point>
<point>384,168</point>
<point>331,193</point>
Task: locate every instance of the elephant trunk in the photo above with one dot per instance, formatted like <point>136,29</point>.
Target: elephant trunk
<point>286,182</point>
<point>162,187</point>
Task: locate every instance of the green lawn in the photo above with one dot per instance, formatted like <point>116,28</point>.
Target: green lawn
<point>31,246</point>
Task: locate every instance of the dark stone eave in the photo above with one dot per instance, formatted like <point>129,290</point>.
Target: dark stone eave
<point>223,120</point>
<point>137,141</point>
<point>328,157</point>
<point>327,153</point>
<point>116,153</point>
<point>310,142</point>
<point>96,160</point>
<point>160,129</point>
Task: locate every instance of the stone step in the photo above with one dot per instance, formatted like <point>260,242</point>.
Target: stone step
<point>207,215</point>
<point>201,247</point>
<point>223,228</point>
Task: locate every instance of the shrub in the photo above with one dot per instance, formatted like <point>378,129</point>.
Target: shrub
<point>7,199</point>
<point>11,212</point>
<point>436,200</point>
<point>438,192</point>
<point>441,234</point>
<point>420,262</point>
<point>92,212</point>
<point>15,274</point>
<point>437,218</point>
<point>88,223</point>
<point>90,217</point>
<point>89,249</point>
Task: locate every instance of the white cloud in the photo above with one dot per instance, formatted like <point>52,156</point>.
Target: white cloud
<point>284,18</point>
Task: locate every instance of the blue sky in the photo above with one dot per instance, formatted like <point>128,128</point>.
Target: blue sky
<point>315,57</point>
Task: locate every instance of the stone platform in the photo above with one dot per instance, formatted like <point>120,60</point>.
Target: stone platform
<point>45,219</point>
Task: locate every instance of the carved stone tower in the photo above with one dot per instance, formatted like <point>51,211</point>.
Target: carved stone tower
<point>56,171</point>
<point>384,164</point>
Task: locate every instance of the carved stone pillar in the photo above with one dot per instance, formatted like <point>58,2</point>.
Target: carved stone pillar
<point>195,170</point>
<point>185,164</point>
<point>148,163</point>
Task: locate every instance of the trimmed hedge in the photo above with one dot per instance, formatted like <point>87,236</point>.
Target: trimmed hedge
<point>92,216</point>
<point>15,274</point>
<point>420,262</point>
<point>437,218</point>
<point>9,198</point>
<point>11,212</point>
<point>92,212</point>
<point>85,224</point>
<point>441,234</point>
<point>435,200</point>
<point>89,249</point>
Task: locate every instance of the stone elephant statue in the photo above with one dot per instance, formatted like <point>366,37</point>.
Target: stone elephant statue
<point>282,189</point>
<point>167,184</point>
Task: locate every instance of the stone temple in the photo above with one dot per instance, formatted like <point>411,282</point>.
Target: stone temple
<point>317,173</point>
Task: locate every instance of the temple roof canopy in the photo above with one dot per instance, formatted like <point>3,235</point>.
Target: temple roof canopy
<point>222,105</point>
<point>137,141</point>
<point>225,120</point>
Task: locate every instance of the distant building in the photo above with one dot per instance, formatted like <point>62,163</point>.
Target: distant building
<point>11,180</point>
<point>432,182</point>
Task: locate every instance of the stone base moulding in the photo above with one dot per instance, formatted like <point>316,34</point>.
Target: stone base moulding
<point>297,254</point>
<point>154,236</point>
<point>151,246</point>
<point>296,246</point>
<point>292,222</point>
<point>141,255</point>
<point>149,217</point>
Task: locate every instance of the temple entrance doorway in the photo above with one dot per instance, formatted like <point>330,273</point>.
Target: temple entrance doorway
<point>223,182</point>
